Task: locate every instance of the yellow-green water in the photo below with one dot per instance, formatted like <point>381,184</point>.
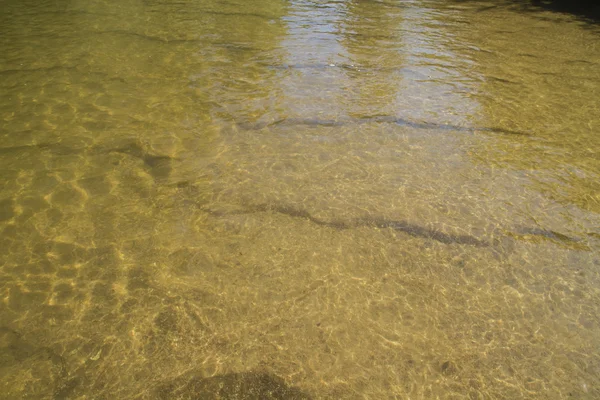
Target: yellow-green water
<point>298,199</point>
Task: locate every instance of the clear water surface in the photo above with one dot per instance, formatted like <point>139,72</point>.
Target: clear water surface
<point>298,199</point>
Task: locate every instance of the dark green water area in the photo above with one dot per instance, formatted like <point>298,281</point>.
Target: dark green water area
<point>299,199</point>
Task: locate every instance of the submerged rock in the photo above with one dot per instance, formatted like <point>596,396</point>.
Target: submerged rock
<point>240,386</point>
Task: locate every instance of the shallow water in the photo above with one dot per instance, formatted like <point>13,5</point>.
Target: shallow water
<point>298,199</point>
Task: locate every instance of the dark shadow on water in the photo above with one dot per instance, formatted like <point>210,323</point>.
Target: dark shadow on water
<point>240,386</point>
<point>586,9</point>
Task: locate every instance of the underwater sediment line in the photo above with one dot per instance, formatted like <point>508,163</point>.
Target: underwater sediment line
<point>406,227</point>
<point>524,234</point>
<point>390,119</point>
